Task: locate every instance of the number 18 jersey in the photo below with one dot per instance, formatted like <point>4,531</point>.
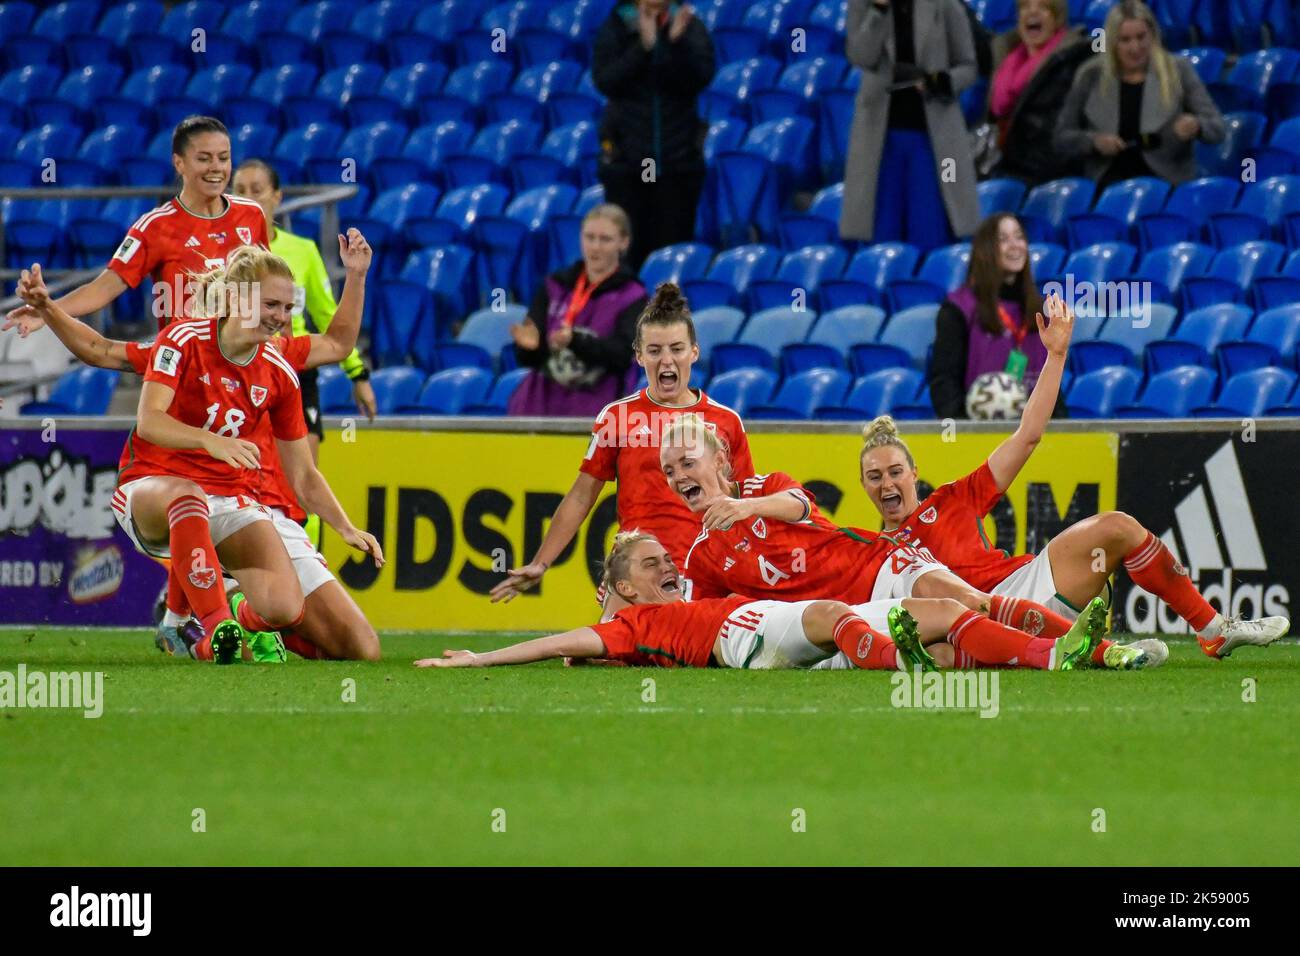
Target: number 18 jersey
<point>258,401</point>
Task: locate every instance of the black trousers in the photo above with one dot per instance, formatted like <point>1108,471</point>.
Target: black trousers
<point>662,212</point>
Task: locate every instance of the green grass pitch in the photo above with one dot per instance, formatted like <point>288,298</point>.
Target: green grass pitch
<point>418,768</point>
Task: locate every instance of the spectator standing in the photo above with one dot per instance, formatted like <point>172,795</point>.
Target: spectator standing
<point>652,59</point>
<point>578,333</point>
<point>1038,61</point>
<point>915,57</point>
<point>1136,109</point>
<point>988,325</point>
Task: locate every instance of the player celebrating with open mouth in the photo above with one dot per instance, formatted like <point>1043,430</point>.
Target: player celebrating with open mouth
<point>215,395</point>
<point>333,625</point>
<point>625,445</point>
<point>766,536</point>
<point>1066,575</point>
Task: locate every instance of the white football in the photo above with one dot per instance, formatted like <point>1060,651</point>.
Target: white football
<point>995,395</point>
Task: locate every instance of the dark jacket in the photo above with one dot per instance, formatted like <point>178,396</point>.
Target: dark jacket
<point>590,373</point>
<point>652,110</point>
<point>1029,149</point>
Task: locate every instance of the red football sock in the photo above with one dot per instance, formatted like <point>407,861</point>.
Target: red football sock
<point>1028,616</point>
<point>1153,568</point>
<point>301,646</point>
<point>992,643</point>
<point>1098,652</point>
<point>176,602</point>
<point>864,647</point>
<point>194,561</point>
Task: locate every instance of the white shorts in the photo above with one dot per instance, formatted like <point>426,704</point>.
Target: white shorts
<point>226,515</point>
<point>1034,582</point>
<point>308,563</point>
<point>897,576</point>
<point>876,614</point>
<point>768,635</point>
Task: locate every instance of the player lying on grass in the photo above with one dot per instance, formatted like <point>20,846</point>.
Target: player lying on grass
<point>214,397</point>
<point>1077,564</point>
<point>653,625</point>
<point>333,625</point>
<point>624,445</point>
<point>767,536</point>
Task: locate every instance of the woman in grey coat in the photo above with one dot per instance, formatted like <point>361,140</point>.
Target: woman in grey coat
<point>1136,109</point>
<point>909,173</point>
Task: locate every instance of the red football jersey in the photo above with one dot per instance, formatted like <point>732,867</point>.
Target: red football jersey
<point>170,242</point>
<point>276,491</point>
<point>781,560</point>
<point>625,448</point>
<point>677,634</point>
<point>257,402</point>
<point>950,523</point>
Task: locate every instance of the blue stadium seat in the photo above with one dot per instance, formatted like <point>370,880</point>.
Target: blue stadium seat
<point>741,388</point>
<point>1270,340</point>
<point>869,274</point>
<point>676,263</point>
<point>1047,207</point>
<point>1000,195</point>
<point>875,394</point>
<point>911,330</point>
<point>1118,207</point>
<point>801,393</point>
<point>396,386</point>
<point>1250,394</point>
<point>1098,393</point>
<point>1172,394</point>
<point>81,391</point>
<point>1231,273</point>
<point>713,326</point>
<point>798,277</point>
<point>451,391</point>
<point>1198,335</point>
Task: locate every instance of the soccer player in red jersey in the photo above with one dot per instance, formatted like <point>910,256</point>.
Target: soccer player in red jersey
<point>650,624</point>
<point>1067,574</point>
<point>187,235</point>
<point>333,625</point>
<point>215,396</point>
<point>766,536</point>
<point>625,445</point>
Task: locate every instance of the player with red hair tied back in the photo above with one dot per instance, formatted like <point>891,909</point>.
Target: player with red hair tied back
<point>650,624</point>
<point>625,445</point>
<point>333,625</point>
<point>1076,565</point>
<point>766,536</point>
<point>215,397</point>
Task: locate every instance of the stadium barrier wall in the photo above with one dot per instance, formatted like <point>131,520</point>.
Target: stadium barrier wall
<point>456,501</point>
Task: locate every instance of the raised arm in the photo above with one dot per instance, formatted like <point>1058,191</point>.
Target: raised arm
<point>568,518</point>
<point>581,642</point>
<point>338,340</point>
<point>80,339</point>
<point>1009,457</point>
<point>317,497</point>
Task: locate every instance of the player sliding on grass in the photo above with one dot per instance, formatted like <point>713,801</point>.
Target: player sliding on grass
<point>767,536</point>
<point>625,445</point>
<point>215,395</point>
<point>333,625</point>
<point>654,626</point>
<point>1077,564</point>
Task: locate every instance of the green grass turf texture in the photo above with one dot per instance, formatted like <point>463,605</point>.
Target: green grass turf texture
<point>587,773</point>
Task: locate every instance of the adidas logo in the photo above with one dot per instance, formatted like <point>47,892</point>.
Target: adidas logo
<point>1214,529</point>
<point>191,242</point>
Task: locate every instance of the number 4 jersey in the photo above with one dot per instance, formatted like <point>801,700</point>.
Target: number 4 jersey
<point>258,402</point>
<point>788,561</point>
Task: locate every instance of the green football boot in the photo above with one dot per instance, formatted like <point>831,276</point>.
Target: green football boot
<point>1075,646</point>
<point>903,631</point>
<point>265,646</point>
